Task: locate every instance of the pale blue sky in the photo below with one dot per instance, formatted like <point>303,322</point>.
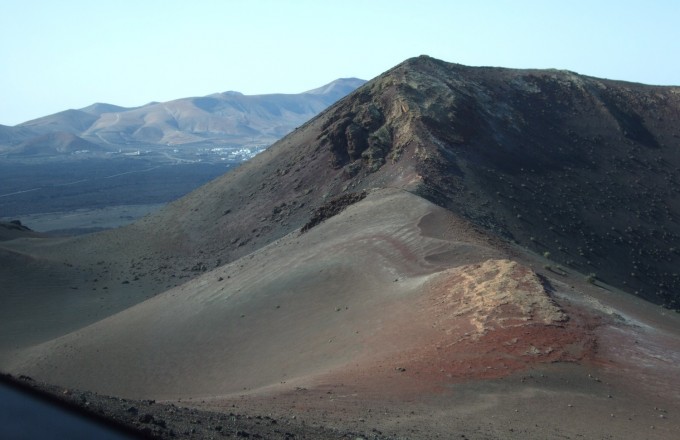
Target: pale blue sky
<point>56,55</point>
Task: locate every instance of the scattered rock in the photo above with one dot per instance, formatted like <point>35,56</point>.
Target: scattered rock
<point>145,418</point>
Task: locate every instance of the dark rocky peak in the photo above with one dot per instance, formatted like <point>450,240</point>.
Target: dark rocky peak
<point>581,169</point>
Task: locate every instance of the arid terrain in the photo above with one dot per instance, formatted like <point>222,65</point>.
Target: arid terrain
<point>448,252</point>
<point>219,120</point>
<point>105,156</point>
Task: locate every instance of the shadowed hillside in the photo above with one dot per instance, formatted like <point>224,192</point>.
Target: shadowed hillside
<point>581,169</point>
<point>584,169</point>
<point>53,143</point>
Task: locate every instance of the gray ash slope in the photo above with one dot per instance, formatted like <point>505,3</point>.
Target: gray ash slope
<point>580,168</point>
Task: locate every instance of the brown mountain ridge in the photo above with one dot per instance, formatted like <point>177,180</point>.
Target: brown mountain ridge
<point>217,120</point>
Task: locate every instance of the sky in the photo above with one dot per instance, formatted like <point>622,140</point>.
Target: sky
<point>57,55</point>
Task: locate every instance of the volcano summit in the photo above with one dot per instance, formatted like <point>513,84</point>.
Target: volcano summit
<point>447,251</point>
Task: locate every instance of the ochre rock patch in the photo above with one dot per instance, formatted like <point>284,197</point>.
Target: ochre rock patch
<point>495,295</point>
<point>489,320</point>
<point>497,317</point>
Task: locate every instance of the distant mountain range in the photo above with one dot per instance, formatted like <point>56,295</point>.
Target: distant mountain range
<point>220,119</point>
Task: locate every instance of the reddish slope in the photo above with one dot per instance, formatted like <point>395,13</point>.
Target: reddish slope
<point>393,306</point>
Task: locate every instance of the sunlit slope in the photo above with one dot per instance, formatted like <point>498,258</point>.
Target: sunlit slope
<point>301,306</point>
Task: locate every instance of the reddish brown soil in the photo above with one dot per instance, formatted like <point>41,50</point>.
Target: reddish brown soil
<point>447,348</point>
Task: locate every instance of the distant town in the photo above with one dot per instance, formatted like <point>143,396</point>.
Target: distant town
<point>233,154</point>
<point>211,153</point>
